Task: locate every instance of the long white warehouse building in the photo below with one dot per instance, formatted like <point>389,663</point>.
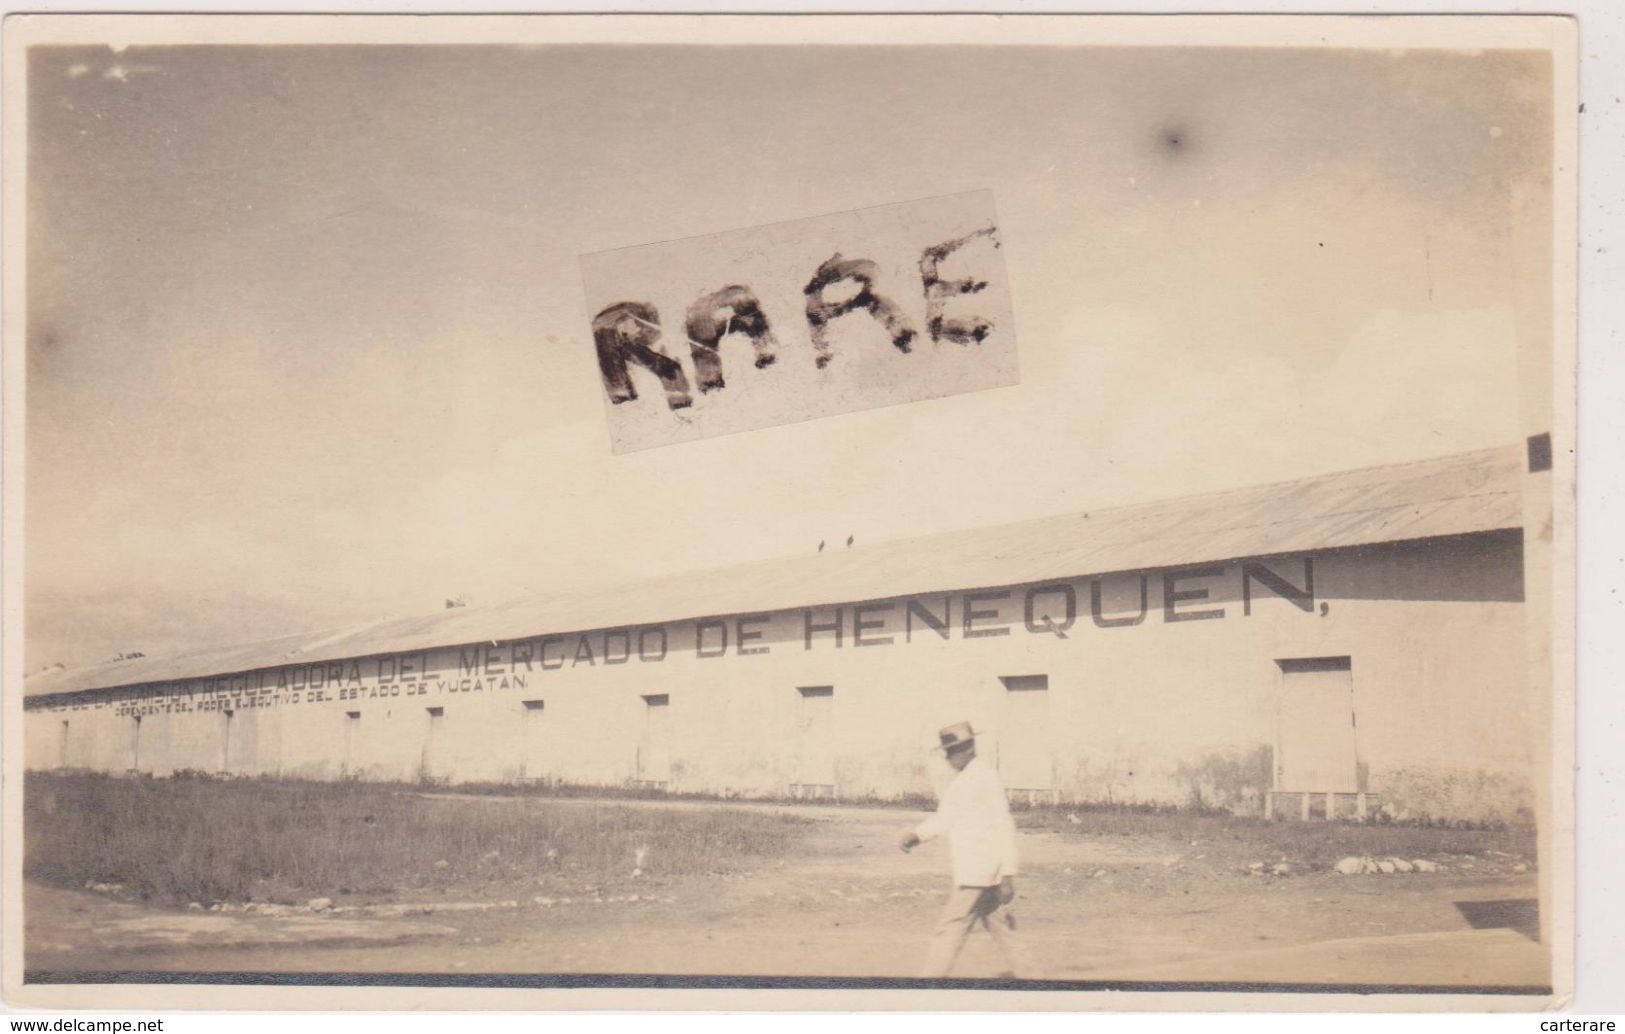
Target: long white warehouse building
<point>1352,642</point>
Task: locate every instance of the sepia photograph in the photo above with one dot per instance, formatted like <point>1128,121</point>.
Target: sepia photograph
<point>1016,505</point>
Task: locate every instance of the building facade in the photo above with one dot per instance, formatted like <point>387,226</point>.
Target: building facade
<point>1353,642</point>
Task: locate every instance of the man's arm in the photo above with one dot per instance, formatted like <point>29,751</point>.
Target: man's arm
<point>1008,860</point>
<point>934,826</point>
<point>1009,863</point>
<point>999,803</point>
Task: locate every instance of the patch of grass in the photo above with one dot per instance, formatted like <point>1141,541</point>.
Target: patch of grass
<point>1318,844</point>
<point>567,791</point>
<point>202,839</point>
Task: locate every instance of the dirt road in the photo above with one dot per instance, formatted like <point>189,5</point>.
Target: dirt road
<point>851,904</point>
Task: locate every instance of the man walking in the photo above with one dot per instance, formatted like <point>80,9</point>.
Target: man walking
<point>982,840</point>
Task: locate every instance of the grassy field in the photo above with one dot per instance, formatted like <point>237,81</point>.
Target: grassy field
<point>189,839</point>
<point>185,840</point>
<point>1239,840</point>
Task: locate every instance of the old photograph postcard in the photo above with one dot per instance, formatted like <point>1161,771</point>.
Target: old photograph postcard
<point>966,511</point>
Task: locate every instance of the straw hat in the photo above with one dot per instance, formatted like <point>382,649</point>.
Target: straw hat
<point>956,737</point>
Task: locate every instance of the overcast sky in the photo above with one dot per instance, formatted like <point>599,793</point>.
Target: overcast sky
<point>307,342</point>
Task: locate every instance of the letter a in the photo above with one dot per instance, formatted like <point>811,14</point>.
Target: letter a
<point>734,309</point>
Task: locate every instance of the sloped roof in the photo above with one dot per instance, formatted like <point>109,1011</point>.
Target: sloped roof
<point>1450,495</point>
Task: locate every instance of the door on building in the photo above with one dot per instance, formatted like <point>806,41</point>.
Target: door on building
<point>432,743</point>
<point>352,743</point>
<point>1025,761</point>
<point>1314,744</point>
<point>135,743</point>
<point>534,762</point>
<point>242,749</point>
<point>654,746</point>
<point>64,759</point>
<point>815,737</point>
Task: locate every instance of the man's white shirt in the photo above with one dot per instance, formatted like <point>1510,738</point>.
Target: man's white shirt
<point>976,817</point>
